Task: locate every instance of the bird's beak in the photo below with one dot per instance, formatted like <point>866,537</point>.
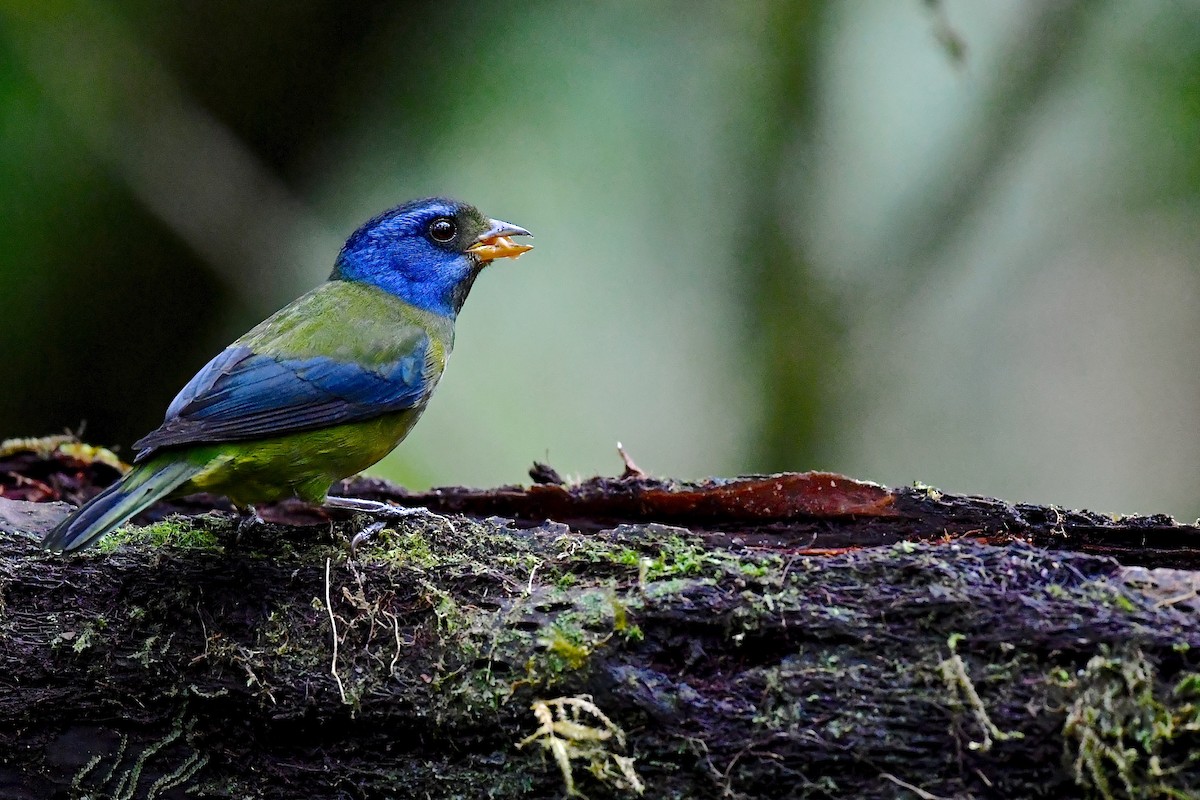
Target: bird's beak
<point>495,242</point>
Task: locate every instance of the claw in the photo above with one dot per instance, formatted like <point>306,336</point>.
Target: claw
<point>387,511</point>
<point>365,535</point>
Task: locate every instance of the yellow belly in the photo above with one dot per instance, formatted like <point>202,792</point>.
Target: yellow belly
<point>302,465</point>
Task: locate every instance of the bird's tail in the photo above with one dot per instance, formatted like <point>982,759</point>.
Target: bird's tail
<point>106,511</point>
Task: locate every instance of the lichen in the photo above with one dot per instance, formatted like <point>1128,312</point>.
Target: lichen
<point>962,689</point>
<point>574,731</point>
<point>47,447</point>
<point>174,757</point>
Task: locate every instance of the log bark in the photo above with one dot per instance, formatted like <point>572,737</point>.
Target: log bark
<point>776,636</point>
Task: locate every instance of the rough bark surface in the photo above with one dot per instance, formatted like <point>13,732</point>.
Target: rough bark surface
<point>781,636</point>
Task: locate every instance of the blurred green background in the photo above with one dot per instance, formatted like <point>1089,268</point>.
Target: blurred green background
<point>952,242</point>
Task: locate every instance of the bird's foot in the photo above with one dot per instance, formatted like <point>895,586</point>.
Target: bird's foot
<point>364,536</point>
<point>389,512</point>
<point>250,519</point>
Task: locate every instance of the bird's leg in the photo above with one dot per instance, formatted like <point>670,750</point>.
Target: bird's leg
<point>386,510</point>
<point>249,518</point>
<point>371,507</point>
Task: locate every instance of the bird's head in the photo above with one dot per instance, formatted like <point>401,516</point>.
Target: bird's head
<point>427,252</point>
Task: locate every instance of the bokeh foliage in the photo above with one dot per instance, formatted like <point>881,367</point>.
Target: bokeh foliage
<point>771,235</point>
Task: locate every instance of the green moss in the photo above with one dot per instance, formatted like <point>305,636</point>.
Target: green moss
<point>620,614</point>
<point>1057,592</point>
<point>833,710</point>
<point>759,569</point>
<point>175,531</point>
<point>668,588</point>
<point>277,634</point>
<point>80,639</point>
<point>661,551</point>
<point>407,549</point>
<point>681,557</point>
<point>1128,738</point>
<point>567,646</point>
<point>567,642</point>
<point>450,617</point>
<point>1109,594</point>
<point>147,654</point>
<point>626,557</point>
<point>86,637</point>
<point>1124,603</point>
<point>964,695</point>
<point>464,546</point>
<point>129,771</point>
<point>664,558</point>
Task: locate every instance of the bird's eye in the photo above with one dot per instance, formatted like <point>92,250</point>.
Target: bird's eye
<point>442,229</point>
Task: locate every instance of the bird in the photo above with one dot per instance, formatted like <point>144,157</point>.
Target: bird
<point>323,388</point>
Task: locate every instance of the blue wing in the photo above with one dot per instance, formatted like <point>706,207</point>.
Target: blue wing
<point>244,395</point>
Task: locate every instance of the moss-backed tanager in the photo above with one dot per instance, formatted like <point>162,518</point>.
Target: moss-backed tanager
<point>326,386</point>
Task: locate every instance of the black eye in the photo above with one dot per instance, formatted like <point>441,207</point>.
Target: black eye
<point>442,229</point>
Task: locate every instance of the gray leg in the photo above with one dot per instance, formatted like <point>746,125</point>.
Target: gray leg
<point>385,510</point>
<point>372,507</point>
<point>249,520</point>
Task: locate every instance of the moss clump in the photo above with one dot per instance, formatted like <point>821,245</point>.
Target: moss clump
<point>175,531</point>
<point>680,556</point>
<point>567,647</point>
<point>463,547</point>
<point>574,627</point>
<point>654,551</point>
<point>410,549</point>
<point>1127,736</point>
<point>82,639</point>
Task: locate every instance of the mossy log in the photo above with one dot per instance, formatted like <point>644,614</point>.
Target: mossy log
<point>731,639</point>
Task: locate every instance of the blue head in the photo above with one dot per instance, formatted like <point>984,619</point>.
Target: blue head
<point>427,252</point>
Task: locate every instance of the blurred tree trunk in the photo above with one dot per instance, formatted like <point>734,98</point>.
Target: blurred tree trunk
<point>793,320</point>
<point>796,315</point>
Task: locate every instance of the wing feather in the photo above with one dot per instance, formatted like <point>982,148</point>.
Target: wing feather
<point>242,395</point>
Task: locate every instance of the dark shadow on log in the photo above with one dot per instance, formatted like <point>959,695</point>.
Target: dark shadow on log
<point>785,636</point>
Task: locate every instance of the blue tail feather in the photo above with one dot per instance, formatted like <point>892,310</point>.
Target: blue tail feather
<point>110,509</point>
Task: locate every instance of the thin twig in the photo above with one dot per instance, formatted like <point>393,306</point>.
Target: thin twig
<point>917,790</point>
<point>1170,601</point>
